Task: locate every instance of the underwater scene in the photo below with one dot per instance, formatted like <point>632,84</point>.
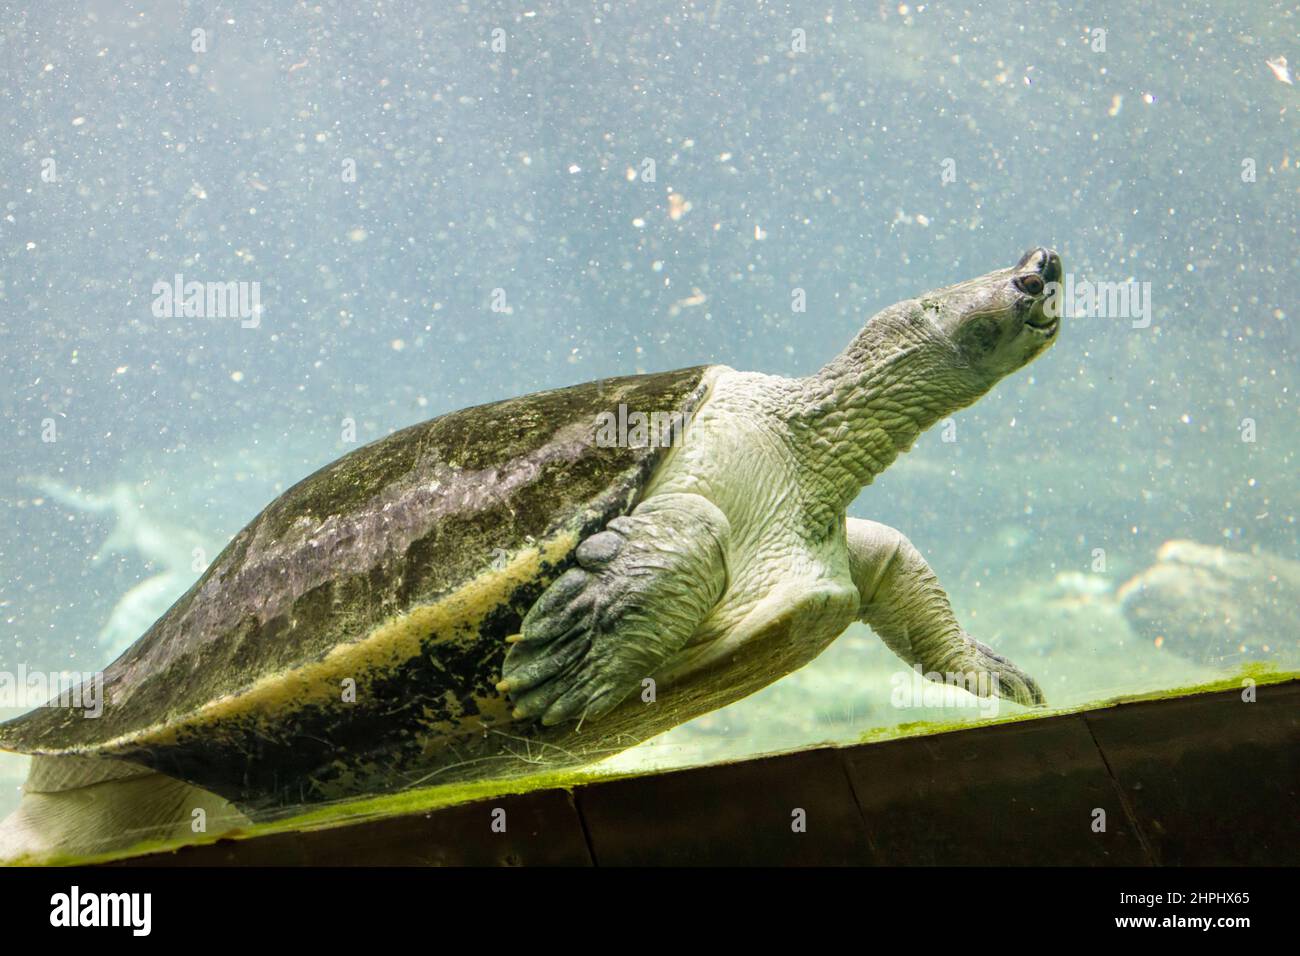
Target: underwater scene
<point>598,328</point>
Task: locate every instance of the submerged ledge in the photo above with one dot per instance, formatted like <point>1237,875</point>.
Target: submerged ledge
<point>1186,776</point>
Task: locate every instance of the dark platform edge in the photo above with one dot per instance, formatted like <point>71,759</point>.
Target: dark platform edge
<point>1207,779</point>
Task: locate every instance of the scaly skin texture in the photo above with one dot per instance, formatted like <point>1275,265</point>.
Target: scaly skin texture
<point>780,460</point>
<point>905,605</point>
<point>640,590</point>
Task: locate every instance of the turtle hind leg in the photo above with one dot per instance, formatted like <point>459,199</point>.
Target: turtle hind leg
<point>108,814</point>
<point>640,590</point>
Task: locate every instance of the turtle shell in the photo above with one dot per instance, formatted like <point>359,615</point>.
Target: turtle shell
<point>349,639</point>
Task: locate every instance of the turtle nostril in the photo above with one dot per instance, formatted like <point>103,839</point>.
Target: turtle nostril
<point>1050,269</point>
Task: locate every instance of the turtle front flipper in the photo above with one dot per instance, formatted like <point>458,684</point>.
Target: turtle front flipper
<point>641,588</point>
<point>903,602</point>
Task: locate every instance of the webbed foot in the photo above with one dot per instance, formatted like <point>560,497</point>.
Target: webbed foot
<point>641,588</point>
<point>1004,678</point>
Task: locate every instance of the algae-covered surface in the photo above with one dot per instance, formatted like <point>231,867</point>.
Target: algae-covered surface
<point>1254,676</point>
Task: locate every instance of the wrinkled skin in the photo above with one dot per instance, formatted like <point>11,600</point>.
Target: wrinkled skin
<point>742,540</point>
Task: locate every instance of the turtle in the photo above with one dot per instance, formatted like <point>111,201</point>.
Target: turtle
<point>537,583</point>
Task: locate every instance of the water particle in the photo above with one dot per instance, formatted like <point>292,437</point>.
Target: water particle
<point>1277,64</point>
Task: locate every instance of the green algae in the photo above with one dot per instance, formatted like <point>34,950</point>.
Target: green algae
<point>1258,674</point>
<point>359,811</point>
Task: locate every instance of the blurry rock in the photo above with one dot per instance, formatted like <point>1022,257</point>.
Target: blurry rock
<point>1211,605</point>
<point>1078,587</point>
<point>168,550</point>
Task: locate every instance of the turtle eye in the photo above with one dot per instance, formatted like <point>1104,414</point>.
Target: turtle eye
<point>1030,284</point>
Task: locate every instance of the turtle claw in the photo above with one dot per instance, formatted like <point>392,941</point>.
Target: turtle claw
<point>639,590</point>
<point>529,666</point>
<point>587,699</point>
<point>558,610</point>
<point>1021,689</point>
<point>580,697</point>
<point>563,664</point>
<point>1009,681</point>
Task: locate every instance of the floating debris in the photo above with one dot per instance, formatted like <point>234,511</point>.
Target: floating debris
<point>677,206</point>
<point>696,298</point>
<point>1280,69</point>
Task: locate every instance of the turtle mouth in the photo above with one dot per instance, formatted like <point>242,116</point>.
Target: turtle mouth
<point>1043,324</point>
<point>1040,321</point>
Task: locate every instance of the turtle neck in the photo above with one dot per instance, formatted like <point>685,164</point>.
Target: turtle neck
<point>872,401</point>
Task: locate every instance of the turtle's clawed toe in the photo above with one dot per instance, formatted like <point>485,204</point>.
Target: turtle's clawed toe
<point>557,686</point>
<point>588,698</point>
<point>560,609</point>
<point>1009,681</point>
<point>1019,687</point>
<point>528,666</point>
<point>551,672</point>
<point>640,589</point>
<point>564,666</point>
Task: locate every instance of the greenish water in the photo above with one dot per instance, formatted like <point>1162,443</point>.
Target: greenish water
<point>382,171</point>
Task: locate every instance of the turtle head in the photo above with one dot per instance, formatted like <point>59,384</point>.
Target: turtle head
<point>1002,321</point>
<point>918,361</point>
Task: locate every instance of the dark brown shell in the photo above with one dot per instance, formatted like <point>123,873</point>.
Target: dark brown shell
<point>356,627</point>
